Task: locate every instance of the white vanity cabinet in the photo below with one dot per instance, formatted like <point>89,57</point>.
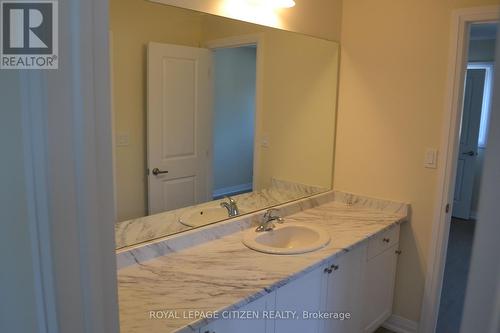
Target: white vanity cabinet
<point>359,283</point>
<point>246,325</point>
<point>378,291</point>
<point>343,291</point>
<point>303,294</point>
<point>333,288</point>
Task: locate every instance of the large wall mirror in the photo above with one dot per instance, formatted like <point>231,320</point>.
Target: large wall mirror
<point>214,118</point>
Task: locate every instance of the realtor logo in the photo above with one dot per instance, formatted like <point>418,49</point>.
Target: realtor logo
<point>29,38</point>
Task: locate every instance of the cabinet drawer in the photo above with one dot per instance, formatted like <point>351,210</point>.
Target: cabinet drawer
<point>382,242</point>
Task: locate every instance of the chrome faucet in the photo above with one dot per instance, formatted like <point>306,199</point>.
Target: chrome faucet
<point>267,223</point>
<point>231,206</point>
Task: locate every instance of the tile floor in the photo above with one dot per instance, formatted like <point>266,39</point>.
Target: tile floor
<point>455,275</point>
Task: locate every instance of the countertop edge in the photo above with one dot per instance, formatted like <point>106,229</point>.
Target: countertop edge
<point>199,323</point>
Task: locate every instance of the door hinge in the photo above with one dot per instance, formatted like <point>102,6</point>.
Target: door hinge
<point>447,209</point>
<point>147,172</point>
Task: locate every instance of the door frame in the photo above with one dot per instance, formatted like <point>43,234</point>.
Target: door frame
<point>457,64</point>
<point>258,41</point>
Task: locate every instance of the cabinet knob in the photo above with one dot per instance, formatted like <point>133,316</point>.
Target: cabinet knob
<point>387,240</point>
<point>334,267</point>
<point>398,252</point>
<point>328,270</point>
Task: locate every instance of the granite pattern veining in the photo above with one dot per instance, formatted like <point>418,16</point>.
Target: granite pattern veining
<point>154,226</point>
<point>210,269</point>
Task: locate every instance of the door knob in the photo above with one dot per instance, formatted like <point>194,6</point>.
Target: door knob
<point>470,153</point>
<point>157,172</point>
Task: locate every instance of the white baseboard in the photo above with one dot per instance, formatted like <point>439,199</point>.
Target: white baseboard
<point>400,325</point>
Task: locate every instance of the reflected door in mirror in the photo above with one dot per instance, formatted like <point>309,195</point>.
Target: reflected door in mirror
<point>179,126</point>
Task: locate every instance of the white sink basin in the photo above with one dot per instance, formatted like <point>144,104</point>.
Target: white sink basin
<point>203,216</point>
<point>287,239</point>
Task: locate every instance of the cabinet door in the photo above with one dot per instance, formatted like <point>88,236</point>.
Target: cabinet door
<point>379,289</point>
<point>344,292</point>
<point>244,325</point>
<point>301,295</point>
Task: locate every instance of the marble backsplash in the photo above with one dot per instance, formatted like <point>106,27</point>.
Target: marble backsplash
<point>147,228</point>
<point>169,244</point>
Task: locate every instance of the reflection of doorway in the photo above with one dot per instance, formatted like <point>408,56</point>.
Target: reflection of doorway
<point>473,133</point>
<point>234,120</point>
<point>201,121</point>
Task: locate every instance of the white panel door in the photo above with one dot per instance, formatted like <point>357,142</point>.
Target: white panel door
<point>344,292</point>
<point>471,119</point>
<point>303,294</point>
<point>179,126</point>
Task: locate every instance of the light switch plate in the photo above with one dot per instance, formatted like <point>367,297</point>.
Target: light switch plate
<point>431,157</point>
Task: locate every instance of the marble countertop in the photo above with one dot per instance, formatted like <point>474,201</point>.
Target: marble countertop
<point>154,226</point>
<point>223,274</point>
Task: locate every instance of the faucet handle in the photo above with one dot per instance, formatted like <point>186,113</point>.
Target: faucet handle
<point>268,215</point>
<point>231,200</point>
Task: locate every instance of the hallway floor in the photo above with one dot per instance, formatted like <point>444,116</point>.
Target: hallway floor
<point>455,275</point>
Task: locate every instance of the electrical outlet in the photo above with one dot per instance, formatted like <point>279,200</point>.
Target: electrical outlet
<point>122,140</point>
<point>264,142</point>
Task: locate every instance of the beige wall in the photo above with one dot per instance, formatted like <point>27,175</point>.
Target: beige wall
<point>391,100</point>
<point>321,18</point>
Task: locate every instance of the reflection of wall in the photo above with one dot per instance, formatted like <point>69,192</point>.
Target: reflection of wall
<point>300,130</point>
<point>134,23</point>
<point>234,117</point>
<point>392,90</point>
<point>299,90</point>
<point>299,99</point>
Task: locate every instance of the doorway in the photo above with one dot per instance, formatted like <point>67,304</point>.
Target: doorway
<point>469,165</point>
<point>234,120</point>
